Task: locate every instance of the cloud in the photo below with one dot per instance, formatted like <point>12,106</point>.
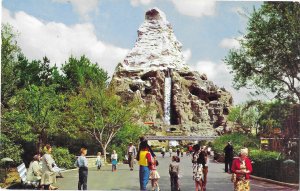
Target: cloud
<point>136,3</point>
<point>219,74</point>
<point>82,7</point>
<point>230,43</point>
<point>58,41</point>
<point>195,8</point>
<point>187,54</point>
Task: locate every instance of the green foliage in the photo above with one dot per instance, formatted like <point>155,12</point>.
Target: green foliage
<point>9,53</point>
<point>246,116</point>
<point>238,141</point>
<point>10,149</point>
<point>33,114</point>
<point>79,72</point>
<point>268,59</point>
<point>264,156</point>
<point>274,114</point>
<point>63,158</point>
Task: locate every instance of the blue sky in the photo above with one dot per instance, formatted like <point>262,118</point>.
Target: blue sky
<point>105,30</point>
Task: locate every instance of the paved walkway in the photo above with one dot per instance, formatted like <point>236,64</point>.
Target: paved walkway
<point>123,179</point>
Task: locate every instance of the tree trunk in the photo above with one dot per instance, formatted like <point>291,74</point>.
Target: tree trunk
<point>39,145</point>
<point>104,152</point>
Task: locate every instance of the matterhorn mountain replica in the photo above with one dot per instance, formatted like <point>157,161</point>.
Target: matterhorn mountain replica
<point>183,101</point>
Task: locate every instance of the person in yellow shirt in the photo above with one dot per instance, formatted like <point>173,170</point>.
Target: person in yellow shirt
<point>144,161</point>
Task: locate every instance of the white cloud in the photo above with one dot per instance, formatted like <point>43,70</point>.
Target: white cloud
<point>187,54</point>
<point>230,43</point>
<point>58,41</point>
<point>195,8</point>
<point>82,7</point>
<point>136,3</point>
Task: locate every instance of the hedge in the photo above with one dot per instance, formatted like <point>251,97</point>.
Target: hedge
<point>63,158</point>
<point>238,141</point>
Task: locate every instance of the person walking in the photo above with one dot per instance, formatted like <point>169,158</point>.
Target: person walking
<point>174,170</point>
<point>178,152</point>
<point>98,162</point>
<point>241,169</point>
<point>34,172</point>
<point>181,152</point>
<point>48,174</point>
<point>154,176</point>
<point>131,153</point>
<point>203,159</point>
<point>144,158</point>
<point>163,152</point>
<point>114,161</point>
<point>170,151</point>
<point>198,177</point>
<point>82,164</point>
<point>228,150</point>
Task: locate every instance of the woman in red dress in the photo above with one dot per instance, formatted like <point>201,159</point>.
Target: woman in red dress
<point>241,169</point>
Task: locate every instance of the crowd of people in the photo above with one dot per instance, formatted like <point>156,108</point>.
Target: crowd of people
<point>42,169</point>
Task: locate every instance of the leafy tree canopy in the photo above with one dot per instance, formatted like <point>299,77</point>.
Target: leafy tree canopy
<point>269,57</point>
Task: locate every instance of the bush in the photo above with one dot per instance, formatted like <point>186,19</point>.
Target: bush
<point>238,141</point>
<point>10,149</point>
<point>63,158</point>
<point>264,156</point>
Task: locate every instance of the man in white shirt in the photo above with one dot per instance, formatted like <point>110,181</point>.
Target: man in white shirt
<point>131,153</point>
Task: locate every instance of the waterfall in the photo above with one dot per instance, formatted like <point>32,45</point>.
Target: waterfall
<point>167,102</point>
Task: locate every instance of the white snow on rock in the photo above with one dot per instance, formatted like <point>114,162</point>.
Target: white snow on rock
<point>156,47</point>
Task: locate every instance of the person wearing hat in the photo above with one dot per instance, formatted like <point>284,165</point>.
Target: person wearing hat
<point>228,150</point>
<point>241,169</point>
<point>131,153</point>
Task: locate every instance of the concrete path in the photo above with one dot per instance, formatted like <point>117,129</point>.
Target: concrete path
<point>123,179</point>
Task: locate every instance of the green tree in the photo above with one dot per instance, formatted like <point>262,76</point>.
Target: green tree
<point>79,72</point>
<point>269,56</point>
<point>33,114</point>
<point>9,59</point>
<point>10,149</point>
<point>245,116</point>
<point>101,114</point>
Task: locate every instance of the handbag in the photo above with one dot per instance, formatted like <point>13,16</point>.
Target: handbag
<point>233,177</point>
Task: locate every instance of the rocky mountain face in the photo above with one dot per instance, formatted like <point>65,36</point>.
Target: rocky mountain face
<point>154,71</point>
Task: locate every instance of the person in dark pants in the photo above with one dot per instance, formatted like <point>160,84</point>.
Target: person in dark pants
<point>228,150</point>
<point>144,160</point>
<point>131,153</point>
<point>82,164</point>
<point>174,173</point>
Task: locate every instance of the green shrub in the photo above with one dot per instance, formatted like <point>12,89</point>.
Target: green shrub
<point>238,141</point>
<point>63,158</point>
<point>10,149</point>
<point>264,156</point>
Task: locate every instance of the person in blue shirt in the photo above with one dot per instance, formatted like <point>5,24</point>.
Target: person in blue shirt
<point>82,164</point>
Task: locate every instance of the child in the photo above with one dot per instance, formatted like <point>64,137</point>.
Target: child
<point>154,176</point>
<point>174,173</point>
<point>114,161</point>
<point>170,151</point>
<point>98,161</point>
<point>82,163</point>
<point>198,177</point>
